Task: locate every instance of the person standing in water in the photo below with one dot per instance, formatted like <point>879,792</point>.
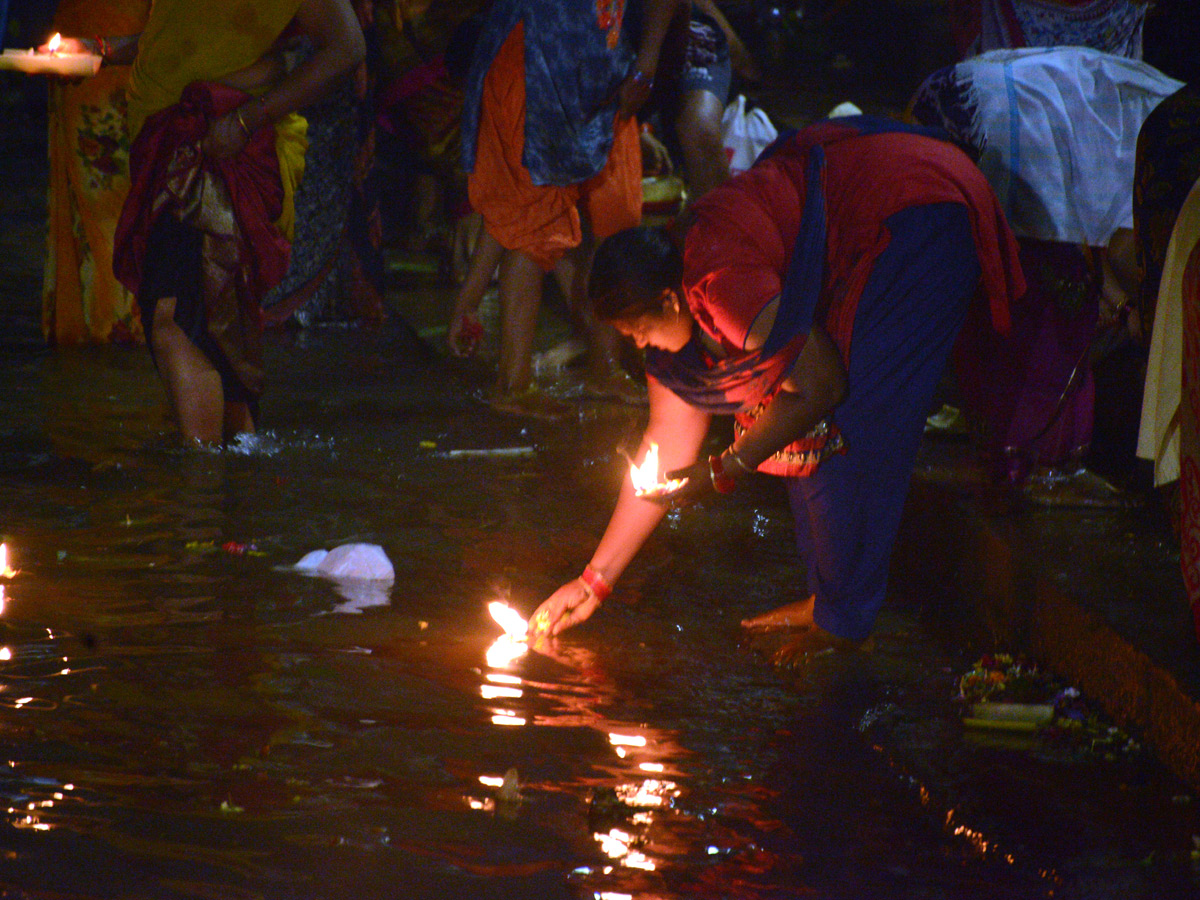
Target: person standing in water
<point>217,154</point>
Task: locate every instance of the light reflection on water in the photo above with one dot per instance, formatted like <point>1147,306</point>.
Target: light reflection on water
<point>182,717</point>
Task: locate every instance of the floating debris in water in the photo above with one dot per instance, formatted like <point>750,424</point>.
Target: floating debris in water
<point>233,548</point>
<point>488,453</point>
<point>510,788</point>
<point>1006,693</point>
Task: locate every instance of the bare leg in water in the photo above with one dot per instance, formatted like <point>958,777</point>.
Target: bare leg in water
<point>193,384</point>
<point>465,330</point>
<point>520,297</point>
<point>605,376</point>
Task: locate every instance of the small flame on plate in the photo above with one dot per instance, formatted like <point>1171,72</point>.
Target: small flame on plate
<point>645,478</point>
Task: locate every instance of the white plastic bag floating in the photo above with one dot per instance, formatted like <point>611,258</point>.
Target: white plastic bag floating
<point>362,574</point>
<point>745,134</point>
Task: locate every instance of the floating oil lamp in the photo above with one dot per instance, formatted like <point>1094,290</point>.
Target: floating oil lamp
<point>645,478</point>
<point>511,645</point>
<point>509,619</point>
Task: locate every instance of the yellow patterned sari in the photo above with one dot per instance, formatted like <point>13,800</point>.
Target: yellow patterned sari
<point>82,301</point>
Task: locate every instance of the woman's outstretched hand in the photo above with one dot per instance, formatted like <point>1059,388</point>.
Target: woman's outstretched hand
<point>466,331</point>
<point>569,605</point>
<point>697,485</point>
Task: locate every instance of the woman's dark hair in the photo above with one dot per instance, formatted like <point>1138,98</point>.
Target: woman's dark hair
<point>630,271</point>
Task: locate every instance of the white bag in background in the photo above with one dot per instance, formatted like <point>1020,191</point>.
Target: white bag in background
<point>745,134</point>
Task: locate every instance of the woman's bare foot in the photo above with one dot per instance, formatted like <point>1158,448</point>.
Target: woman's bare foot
<point>816,641</point>
<point>791,615</point>
<point>530,403</point>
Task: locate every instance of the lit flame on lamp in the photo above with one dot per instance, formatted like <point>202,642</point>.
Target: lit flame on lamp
<point>511,645</point>
<point>5,571</point>
<point>54,43</point>
<point>645,477</point>
<point>509,619</point>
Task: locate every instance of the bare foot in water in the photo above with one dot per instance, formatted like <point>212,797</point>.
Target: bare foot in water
<point>814,642</point>
<point>791,615</point>
<point>530,403</point>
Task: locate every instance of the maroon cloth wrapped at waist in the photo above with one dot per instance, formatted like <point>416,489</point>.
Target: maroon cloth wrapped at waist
<point>169,172</point>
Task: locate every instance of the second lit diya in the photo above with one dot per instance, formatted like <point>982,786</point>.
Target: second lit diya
<point>646,481</point>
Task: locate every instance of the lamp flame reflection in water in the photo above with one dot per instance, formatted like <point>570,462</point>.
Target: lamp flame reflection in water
<point>646,797</point>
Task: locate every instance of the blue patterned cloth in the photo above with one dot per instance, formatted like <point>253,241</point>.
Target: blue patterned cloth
<point>577,53</point>
<point>1112,26</point>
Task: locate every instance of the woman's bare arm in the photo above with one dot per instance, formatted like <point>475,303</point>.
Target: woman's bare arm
<point>679,430</point>
<point>339,45</point>
<point>815,385</point>
<point>337,36</point>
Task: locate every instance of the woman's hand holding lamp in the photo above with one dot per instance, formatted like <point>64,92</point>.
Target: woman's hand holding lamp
<point>705,476</point>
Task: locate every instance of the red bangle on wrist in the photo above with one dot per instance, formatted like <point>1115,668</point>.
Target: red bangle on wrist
<point>722,481</point>
<point>595,583</point>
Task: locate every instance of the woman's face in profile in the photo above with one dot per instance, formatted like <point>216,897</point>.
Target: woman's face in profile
<point>669,329</point>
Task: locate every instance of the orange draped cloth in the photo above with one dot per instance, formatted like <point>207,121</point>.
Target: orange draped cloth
<point>543,221</point>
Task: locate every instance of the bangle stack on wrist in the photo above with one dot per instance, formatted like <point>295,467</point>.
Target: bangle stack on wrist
<point>103,48</point>
<point>596,585</point>
<point>722,481</point>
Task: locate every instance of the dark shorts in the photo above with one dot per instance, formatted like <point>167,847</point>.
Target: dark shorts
<point>706,63</point>
<point>173,268</point>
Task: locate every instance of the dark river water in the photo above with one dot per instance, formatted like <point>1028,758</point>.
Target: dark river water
<point>185,715</point>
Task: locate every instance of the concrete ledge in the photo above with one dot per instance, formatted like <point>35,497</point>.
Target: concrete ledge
<point>1044,588</point>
